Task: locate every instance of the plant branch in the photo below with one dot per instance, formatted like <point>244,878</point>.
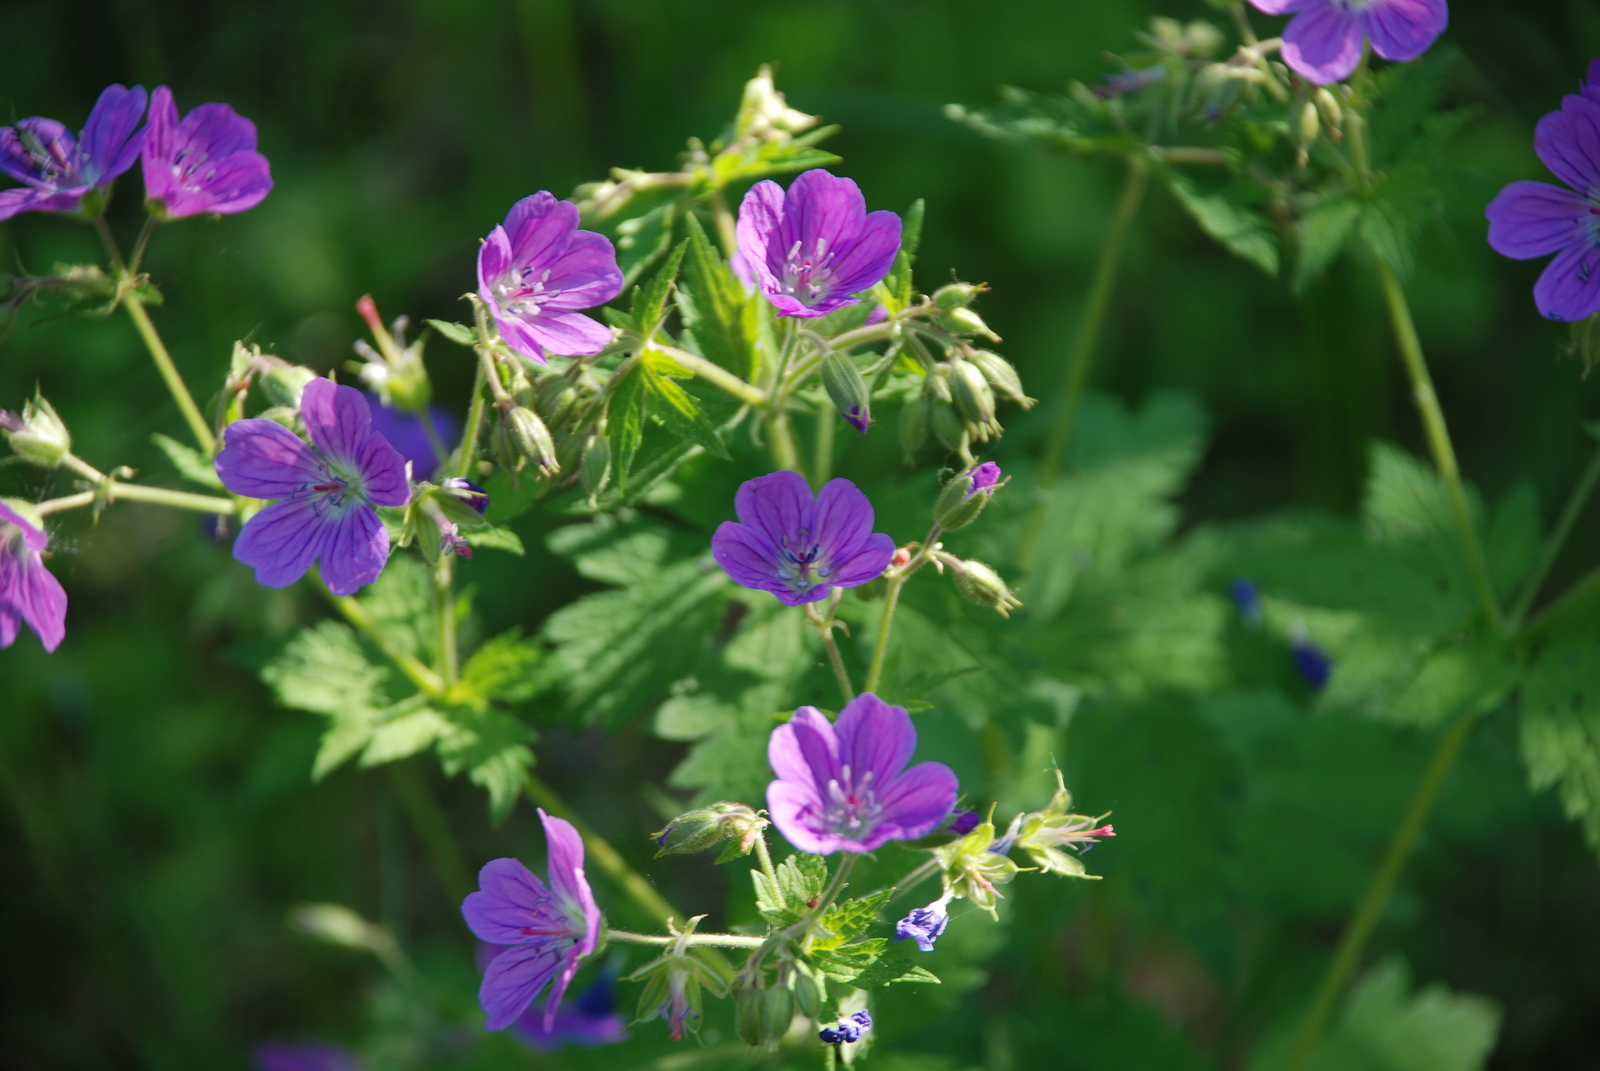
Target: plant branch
<point>891,600</point>
<point>825,632</point>
<point>717,376</point>
<point>704,940</point>
<point>1558,538</point>
<point>427,681</point>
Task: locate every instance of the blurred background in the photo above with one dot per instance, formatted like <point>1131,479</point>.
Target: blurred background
<point>156,817</point>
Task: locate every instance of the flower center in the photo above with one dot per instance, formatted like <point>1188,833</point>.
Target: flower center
<point>186,165</point>
<point>524,292</point>
<point>804,566</point>
<point>50,159</point>
<point>808,276</point>
<point>851,809</point>
<point>1353,7</point>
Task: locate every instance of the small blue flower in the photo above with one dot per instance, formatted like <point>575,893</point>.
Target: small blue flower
<point>847,1031</point>
<point>923,925</point>
<point>1248,599</point>
<point>1312,663</point>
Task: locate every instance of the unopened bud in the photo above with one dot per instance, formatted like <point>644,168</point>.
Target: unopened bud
<point>337,925</point>
<point>596,471</point>
<point>970,390</point>
<point>707,827</point>
<point>807,993</point>
<point>284,383</point>
<point>529,440</point>
<point>963,321</point>
<point>982,585</point>
<point>1202,39</point>
<point>1307,126</point>
<point>1001,376</point>
<point>749,1020</point>
<point>964,497</point>
<point>914,420</point>
<point>946,426</point>
<point>955,296</point>
<point>556,401</point>
<point>848,390</point>
<point>777,1011</point>
<point>1328,107</point>
<point>38,436</point>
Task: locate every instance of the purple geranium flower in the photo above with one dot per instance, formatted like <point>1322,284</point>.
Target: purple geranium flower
<point>57,170</point>
<point>327,491</point>
<point>1535,219</point>
<point>206,163</point>
<point>549,928</point>
<point>407,434</point>
<point>814,247</point>
<point>1323,42</point>
<point>304,1056</point>
<point>28,591</point>
<point>798,547</point>
<point>537,269</point>
<point>983,476</point>
<point>924,925</point>
<point>845,787</point>
<point>964,822</point>
<point>588,1022</point>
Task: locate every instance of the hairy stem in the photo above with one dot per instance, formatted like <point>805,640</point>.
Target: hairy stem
<point>427,681</point>
<point>445,619</point>
<point>704,940</point>
<point>1444,455</point>
<point>891,600</point>
<point>468,450</point>
<point>1558,538</point>
<point>161,496</point>
<point>1081,360</point>
<point>1366,917</point>
<point>825,632</point>
<point>717,376</point>
<point>764,857</point>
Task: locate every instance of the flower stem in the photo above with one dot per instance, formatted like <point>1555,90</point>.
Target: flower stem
<point>1082,359</point>
<point>1444,455</point>
<point>915,878</point>
<point>426,680</point>
<point>445,619</point>
<point>1366,917</point>
<point>822,449</point>
<point>1558,538</point>
<point>711,940</point>
<point>891,600</point>
<point>825,632</point>
<point>717,376</point>
<point>764,857</point>
<point>784,453</point>
<point>161,496</point>
<point>141,244</point>
<point>467,451</point>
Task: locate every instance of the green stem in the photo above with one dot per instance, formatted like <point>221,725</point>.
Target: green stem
<point>445,620</point>
<point>426,680</point>
<point>1444,455</point>
<point>717,376</point>
<point>1081,360</point>
<point>915,878</point>
<point>169,372</point>
<point>1585,589</point>
<point>1366,917</point>
<point>704,940</point>
<point>891,600</point>
<point>161,496</point>
<point>784,453</point>
<point>141,244</point>
<point>474,430</point>
<point>822,449</point>
<point>764,857</point>
<point>825,632</point>
<point>66,502</point>
<point>1558,538</point>
<point>432,828</point>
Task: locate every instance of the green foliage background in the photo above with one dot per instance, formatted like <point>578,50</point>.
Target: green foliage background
<point>156,820</point>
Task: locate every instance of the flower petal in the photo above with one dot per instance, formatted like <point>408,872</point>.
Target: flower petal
<point>570,334</point>
<point>24,199</point>
<point>797,812</point>
<point>514,978</point>
<point>282,541</point>
<point>263,459</point>
<point>337,419</point>
<point>746,556</point>
<point>1282,7</point>
<point>760,219</point>
<point>1323,44</point>
<point>355,548</point>
<point>917,801</point>
<point>518,337</point>
<point>805,749</point>
<point>841,519</point>
<point>1535,219</point>
<point>40,599</point>
<point>1568,141</point>
<point>217,130</point>
<point>868,562</point>
<point>33,538</point>
<point>875,737</point>
<point>18,163</point>
<point>1569,289</point>
<point>160,145</point>
<point>821,207</point>
<point>586,273</point>
<point>869,259</point>
<point>109,144</point>
<point>383,471</point>
<point>777,505</point>
<point>1402,30</point>
<point>494,260</point>
<point>567,879</point>
<point>235,184</point>
<point>510,900</point>
<point>538,227</point>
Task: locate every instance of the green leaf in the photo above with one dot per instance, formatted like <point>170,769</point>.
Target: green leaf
<point>650,301</point>
<point>403,733</point>
<point>801,879</point>
<point>495,539</point>
<point>190,463</point>
<point>1227,214</point>
<point>745,161</point>
<point>503,669</point>
<point>675,408</point>
<point>1561,727</point>
<point>712,303</point>
<point>1323,233</point>
<point>845,920</point>
<point>492,747</point>
<point>911,228</point>
<point>460,334</point>
<point>1076,121</point>
<point>869,964</point>
<point>625,419</point>
<point>325,670</point>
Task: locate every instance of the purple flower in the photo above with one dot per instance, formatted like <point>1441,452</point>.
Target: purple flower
<point>537,269</point>
<point>549,928</point>
<point>28,591</point>
<point>964,822</point>
<point>983,476</point>
<point>206,163</point>
<point>923,925</point>
<point>588,1022</point>
<point>814,247</point>
<point>475,497</point>
<point>846,1031</point>
<point>845,787</point>
<point>798,547</point>
<point>303,1056</point>
<point>1535,219</point>
<point>326,491</point>
<point>1323,41</point>
<point>406,433</point>
<point>57,170</point>
<point>1313,664</point>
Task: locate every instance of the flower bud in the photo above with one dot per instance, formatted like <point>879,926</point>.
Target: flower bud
<point>972,871</point>
<point>556,401</point>
<point>748,1016</point>
<point>596,471</point>
<point>707,827</point>
<point>1001,376</point>
<point>848,390</point>
<point>1043,834</point>
<point>946,426</point>
<point>982,585</point>
<point>970,390</point>
<point>1307,126</point>
<point>963,321</point>
<point>955,296</point>
<point>1328,106</point>
<point>527,439</point>
<point>38,436</point>
<point>807,991</point>
<point>964,497</point>
<point>777,1011</point>
<point>914,420</point>
<point>283,383</point>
